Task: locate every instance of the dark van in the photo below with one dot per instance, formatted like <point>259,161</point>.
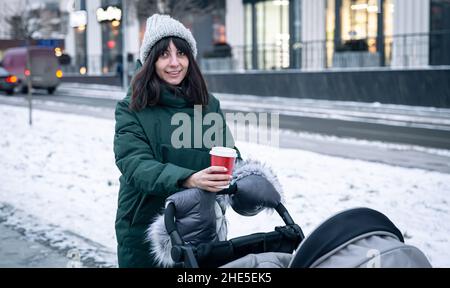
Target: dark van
<point>45,71</point>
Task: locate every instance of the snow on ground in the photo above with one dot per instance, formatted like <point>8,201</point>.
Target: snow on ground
<point>317,187</point>
<point>60,173</point>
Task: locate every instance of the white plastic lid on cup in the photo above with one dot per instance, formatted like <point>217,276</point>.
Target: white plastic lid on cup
<point>223,152</point>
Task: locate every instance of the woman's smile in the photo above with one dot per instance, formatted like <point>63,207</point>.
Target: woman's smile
<point>174,73</point>
<point>172,65</point>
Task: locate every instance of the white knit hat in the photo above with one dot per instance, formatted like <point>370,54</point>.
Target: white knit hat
<point>161,26</point>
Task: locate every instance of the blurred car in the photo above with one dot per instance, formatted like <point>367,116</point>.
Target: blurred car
<point>8,81</point>
<point>45,72</point>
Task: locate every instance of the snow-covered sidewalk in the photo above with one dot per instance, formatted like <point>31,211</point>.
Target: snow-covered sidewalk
<point>59,175</point>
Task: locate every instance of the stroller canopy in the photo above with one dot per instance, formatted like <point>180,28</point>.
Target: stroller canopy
<point>355,238</point>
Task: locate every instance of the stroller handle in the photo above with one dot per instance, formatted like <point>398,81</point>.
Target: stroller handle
<point>185,254</point>
<point>282,211</point>
<point>169,216</point>
<point>180,251</point>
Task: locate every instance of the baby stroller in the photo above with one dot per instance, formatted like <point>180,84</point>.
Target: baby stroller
<point>359,237</point>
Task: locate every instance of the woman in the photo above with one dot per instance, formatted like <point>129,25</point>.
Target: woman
<point>168,82</point>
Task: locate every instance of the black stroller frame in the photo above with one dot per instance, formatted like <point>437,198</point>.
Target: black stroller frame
<point>211,255</point>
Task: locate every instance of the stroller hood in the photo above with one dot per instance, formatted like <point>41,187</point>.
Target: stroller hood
<point>359,237</point>
<point>355,238</point>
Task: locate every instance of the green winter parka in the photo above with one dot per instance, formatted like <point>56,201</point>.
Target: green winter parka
<point>152,169</point>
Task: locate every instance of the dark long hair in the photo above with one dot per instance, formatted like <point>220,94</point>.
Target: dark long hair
<point>146,85</point>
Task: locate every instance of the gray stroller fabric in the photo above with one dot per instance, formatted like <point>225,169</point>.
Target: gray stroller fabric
<point>261,260</point>
<point>195,215</point>
<point>200,217</point>
<point>340,242</point>
<point>358,237</point>
<point>374,251</point>
<point>368,251</point>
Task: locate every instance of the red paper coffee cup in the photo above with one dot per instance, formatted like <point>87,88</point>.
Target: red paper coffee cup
<point>224,157</point>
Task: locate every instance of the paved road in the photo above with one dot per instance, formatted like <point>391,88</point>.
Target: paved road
<point>358,128</point>
<point>104,108</point>
<point>369,131</point>
<point>373,153</point>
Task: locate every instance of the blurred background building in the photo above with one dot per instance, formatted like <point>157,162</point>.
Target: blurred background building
<point>237,35</point>
<point>99,46</point>
<point>387,51</point>
<point>101,38</point>
<point>95,37</point>
<point>323,34</point>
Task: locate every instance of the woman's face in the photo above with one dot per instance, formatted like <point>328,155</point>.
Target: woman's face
<point>172,65</point>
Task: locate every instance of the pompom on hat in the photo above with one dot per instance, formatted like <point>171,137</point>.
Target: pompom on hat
<point>161,26</point>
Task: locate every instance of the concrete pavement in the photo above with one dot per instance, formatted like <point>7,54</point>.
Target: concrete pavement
<point>18,252</point>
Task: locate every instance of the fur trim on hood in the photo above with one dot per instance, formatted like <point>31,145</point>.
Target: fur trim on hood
<point>249,167</point>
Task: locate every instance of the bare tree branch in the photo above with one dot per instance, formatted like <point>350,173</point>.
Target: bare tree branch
<point>31,23</point>
<point>17,21</point>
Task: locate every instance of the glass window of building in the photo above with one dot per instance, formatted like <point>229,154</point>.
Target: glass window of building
<point>266,34</point>
<point>110,22</point>
<point>359,21</point>
<point>440,32</point>
<point>359,32</point>
<point>79,26</point>
<point>80,47</point>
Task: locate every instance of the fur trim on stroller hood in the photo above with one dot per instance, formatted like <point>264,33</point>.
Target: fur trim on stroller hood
<point>156,234</point>
<point>249,167</point>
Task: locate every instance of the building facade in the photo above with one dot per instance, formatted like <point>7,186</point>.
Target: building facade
<point>96,34</point>
<point>95,38</point>
<point>323,34</point>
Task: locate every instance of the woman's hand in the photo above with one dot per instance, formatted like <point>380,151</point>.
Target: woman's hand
<point>209,179</point>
